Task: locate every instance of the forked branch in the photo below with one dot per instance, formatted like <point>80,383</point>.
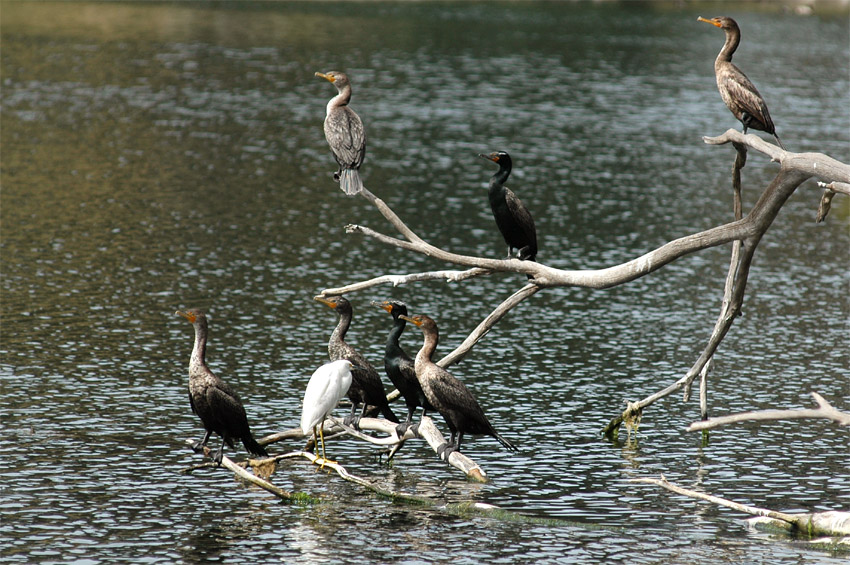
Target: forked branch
<point>745,231</point>
<point>824,410</point>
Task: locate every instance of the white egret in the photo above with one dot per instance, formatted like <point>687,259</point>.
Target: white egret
<point>326,388</point>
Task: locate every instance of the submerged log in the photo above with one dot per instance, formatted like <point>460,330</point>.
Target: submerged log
<point>829,523</point>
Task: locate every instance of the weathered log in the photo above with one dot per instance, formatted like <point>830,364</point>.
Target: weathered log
<point>829,523</point>
<point>243,474</point>
<point>424,430</point>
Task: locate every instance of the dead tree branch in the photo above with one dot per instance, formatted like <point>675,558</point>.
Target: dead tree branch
<point>824,410</point>
<point>424,430</point>
<point>795,168</point>
<point>746,231</point>
<point>819,523</point>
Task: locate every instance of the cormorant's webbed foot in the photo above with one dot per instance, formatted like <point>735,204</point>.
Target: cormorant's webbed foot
<point>199,446</point>
<point>352,421</point>
<point>219,455</point>
<point>525,254</point>
<point>445,450</point>
<point>336,176</point>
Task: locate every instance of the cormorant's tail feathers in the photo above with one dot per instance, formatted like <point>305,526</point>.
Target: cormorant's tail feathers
<point>349,181</point>
<point>505,442</point>
<point>779,141</point>
<point>388,414</point>
<point>253,447</point>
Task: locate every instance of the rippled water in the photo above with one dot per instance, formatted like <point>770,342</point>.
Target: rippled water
<point>165,156</point>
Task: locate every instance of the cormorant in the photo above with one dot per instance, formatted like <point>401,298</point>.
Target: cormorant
<point>512,217</point>
<point>345,134</point>
<point>449,396</point>
<point>327,386</point>
<point>216,404</point>
<point>399,365</point>
<point>737,91</point>
<point>366,386</point>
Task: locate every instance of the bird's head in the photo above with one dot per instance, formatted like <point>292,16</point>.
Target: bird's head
<point>722,22</point>
<point>496,156</point>
<point>336,78</point>
<point>337,303</point>
<point>420,321</point>
<point>395,307</point>
<point>193,314</point>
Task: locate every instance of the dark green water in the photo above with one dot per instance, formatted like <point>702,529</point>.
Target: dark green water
<point>157,156</point>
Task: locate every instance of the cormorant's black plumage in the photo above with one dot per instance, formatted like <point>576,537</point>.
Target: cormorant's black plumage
<point>399,365</point>
<point>512,217</point>
<point>214,401</point>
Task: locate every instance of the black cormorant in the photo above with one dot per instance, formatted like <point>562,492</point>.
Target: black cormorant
<point>512,217</point>
<point>400,366</point>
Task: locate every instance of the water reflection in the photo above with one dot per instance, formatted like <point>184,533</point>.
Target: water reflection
<point>159,156</point>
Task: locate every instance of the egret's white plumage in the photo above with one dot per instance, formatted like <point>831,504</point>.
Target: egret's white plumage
<point>326,388</point>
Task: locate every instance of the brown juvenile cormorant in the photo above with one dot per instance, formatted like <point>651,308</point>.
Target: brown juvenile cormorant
<point>737,91</point>
<point>345,134</point>
<point>449,396</point>
<point>399,365</point>
<point>512,217</point>
<point>366,386</point>
<point>216,404</point>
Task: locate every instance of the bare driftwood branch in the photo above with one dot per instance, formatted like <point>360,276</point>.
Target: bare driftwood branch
<point>824,410</point>
<point>795,168</point>
<point>243,474</point>
<point>819,523</point>
<point>429,432</point>
<point>424,430</point>
<point>745,231</point>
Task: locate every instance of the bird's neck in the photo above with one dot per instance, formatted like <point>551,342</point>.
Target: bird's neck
<point>341,99</point>
<point>733,38</point>
<point>428,348</point>
<point>393,346</point>
<point>497,182</point>
<point>199,350</point>
<point>338,335</point>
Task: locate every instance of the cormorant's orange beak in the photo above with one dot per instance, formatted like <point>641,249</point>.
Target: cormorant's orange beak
<point>325,301</point>
<point>385,305</point>
<point>188,315</point>
<point>712,22</point>
<point>491,157</point>
<point>326,77</point>
<point>414,321</point>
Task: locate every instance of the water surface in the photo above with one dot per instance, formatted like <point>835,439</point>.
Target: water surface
<point>157,157</point>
